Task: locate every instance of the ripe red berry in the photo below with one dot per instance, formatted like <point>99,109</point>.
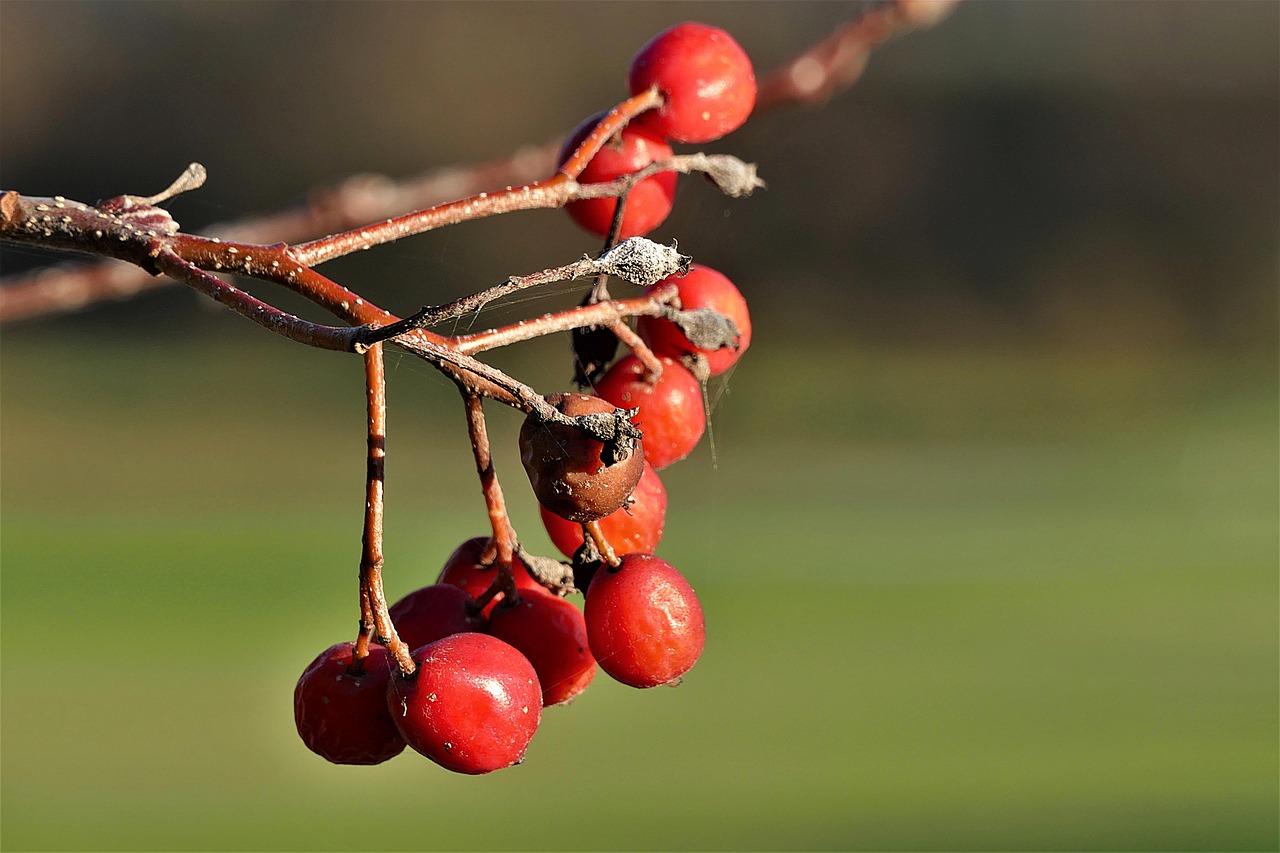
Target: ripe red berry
<point>472,706</point>
<point>644,622</point>
<point>552,634</point>
<point>705,77</point>
<point>671,411</point>
<point>463,569</point>
<point>565,465</point>
<point>703,287</point>
<point>433,613</point>
<point>343,717</point>
<point>631,150</point>
<point>635,528</point>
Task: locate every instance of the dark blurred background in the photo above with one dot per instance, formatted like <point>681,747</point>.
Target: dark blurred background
<point>987,535</point>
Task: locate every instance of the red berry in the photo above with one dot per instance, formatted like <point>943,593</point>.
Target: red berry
<point>671,413</point>
<point>463,569</point>
<point>552,634</point>
<point>472,706</point>
<point>703,287</point>
<point>705,77</point>
<point>644,622</point>
<point>433,613</point>
<point>343,717</point>
<point>566,468</point>
<point>631,150</point>
<point>635,528</point>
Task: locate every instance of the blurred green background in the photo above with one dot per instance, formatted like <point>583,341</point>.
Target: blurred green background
<point>988,540</point>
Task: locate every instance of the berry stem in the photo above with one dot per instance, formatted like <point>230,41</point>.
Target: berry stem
<point>503,534</point>
<point>503,544</point>
<point>598,314</point>
<point>373,602</point>
<point>652,364</point>
<point>616,119</point>
<point>592,530</point>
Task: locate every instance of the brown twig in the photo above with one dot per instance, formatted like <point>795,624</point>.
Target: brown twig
<point>372,599</point>
<point>592,532</point>
<point>599,313</point>
<point>342,338</point>
<point>504,539</point>
<point>635,343</point>
<point>836,62</point>
<point>639,261</point>
<point>813,76</point>
<point>734,178</point>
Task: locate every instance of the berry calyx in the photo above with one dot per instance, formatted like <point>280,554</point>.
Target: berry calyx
<point>568,469</point>
<point>552,634</point>
<point>635,528</point>
<point>463,569</point>
<point>702,287</point>
<point>435,612</point>
<point>342,715</point>
<point>704,76</point>
<point>472,706</point>
<point>644,621</point>
<point>632,149</point>
<point>671,413</point>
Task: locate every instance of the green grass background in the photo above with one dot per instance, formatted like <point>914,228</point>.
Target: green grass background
<point>956,599</point>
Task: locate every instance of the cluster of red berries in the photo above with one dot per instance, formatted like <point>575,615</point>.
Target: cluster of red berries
<point>492,652</point>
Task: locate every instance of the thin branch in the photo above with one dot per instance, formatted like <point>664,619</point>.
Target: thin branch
<point>371,560</point>
<point>356,200</point>
<point>652,364</point>
<point>341,338</point>
<point>504,539</point>
<point>552,193</point>
<point>615,120</point>
<point>812,77</point>
<point>596,314</point>
<point>835,63</point>
<point>637,260</point>
<point>145,235</point>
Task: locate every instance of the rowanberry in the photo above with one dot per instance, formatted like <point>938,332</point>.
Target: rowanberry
<point>644,622</point>
<point>566,467</point>
<point>671,411</point>
<point>463,569</point>
<point>433,613</point>
<point>472,706</point>
<point>552,634</point>
<point>705,77</point>
<point>635,528</point>
<point>632,149</point>
<point>342,716</point>
<point>703,287</point>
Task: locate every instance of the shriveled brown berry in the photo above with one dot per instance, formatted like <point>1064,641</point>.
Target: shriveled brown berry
<point>571,472</point>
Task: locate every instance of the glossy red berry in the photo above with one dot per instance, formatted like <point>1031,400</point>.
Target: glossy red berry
<point>631,150</point>
<point>552,634</point>
<point>343,717</point>
<point>671,413</point>
<point>635,528</point>
<point>567,468</point>
<point>433,613</point>
<point>644,622</point>
<point>705,77</point>
<point>463,569</point>
<point>703,287</point>
<point>472,706</point>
